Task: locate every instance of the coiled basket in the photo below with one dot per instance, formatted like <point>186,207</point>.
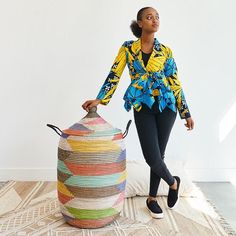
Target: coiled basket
<point>91,171</point>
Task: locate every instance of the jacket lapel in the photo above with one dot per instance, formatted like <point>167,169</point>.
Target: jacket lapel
<point>155,56</point>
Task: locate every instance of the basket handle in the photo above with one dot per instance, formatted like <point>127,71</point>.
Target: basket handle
<point>127,128</point>
<point>55,128</point>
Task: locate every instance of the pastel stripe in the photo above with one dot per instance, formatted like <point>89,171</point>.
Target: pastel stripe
<point>98,192</point>
<point>99,120</point>
<point>96,169</point>
<point>62,167</point>
<point>93,145</point>
<point>96,181</point>
<point>91,214</point>
<point>91,223</point>
<point>91,203</point>
<point>63,189</point>
<point>89,158</point>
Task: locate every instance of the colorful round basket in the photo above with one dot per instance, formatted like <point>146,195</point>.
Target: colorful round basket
<point>91,171</point>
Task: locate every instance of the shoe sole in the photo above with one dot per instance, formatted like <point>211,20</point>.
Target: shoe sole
<point>156,215</point>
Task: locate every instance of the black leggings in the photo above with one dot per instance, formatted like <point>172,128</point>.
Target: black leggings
<point>153,128</point>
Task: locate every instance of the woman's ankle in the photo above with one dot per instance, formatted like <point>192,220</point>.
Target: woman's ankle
<point>151,198</point>
<point>174,186</point>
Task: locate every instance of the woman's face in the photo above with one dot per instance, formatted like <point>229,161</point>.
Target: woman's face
<point>150,20</point>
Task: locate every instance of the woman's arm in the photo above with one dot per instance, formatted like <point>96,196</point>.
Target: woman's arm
<point>110,84</point>
<point>171,74</point>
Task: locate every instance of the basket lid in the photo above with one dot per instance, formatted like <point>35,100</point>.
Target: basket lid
<point>91,125</point>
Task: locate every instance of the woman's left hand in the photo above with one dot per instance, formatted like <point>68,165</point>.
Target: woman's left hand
<point>190,123</point>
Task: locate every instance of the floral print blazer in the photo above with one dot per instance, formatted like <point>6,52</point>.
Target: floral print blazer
<point>159,78</point>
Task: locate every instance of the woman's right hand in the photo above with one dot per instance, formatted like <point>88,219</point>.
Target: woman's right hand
<point>90,103</point>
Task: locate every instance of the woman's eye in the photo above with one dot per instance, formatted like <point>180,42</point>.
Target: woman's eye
<point>150,17</point>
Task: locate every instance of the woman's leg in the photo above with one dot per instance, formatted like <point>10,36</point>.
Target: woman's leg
<point>165,122</point>
<point>146,124</point>
<point>154,183</point>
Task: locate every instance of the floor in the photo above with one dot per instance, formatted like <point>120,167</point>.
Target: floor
<point>223,195</point>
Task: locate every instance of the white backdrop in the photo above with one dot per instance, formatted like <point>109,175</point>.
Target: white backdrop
<point>54,55</point>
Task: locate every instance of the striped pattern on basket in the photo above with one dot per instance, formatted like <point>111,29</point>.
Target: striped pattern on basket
<point>91,172</point>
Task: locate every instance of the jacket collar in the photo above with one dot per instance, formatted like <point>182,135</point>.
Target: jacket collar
<point>136,48</point>
<point>137,45</point>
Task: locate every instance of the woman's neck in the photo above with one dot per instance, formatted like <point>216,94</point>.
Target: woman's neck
<point>147,42</point>
<point>147,39</point>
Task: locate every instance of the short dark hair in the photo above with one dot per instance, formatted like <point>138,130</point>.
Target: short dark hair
<point>137,31</point>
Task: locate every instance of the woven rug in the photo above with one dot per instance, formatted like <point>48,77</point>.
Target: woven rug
<point>31,208</point>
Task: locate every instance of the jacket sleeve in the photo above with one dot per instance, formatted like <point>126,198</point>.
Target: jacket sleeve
<point>171,74</point>
<point>111,82</point>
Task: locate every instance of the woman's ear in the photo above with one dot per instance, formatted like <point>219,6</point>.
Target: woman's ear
<point>139,23</point>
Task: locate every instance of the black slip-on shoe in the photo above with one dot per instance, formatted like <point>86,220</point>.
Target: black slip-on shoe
<point>173,195</point>
<point>154,209</point>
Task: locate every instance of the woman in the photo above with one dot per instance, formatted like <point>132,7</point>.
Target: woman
<point>155,93</point>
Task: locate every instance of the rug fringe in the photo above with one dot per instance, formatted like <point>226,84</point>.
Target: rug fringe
<point>223,222</point>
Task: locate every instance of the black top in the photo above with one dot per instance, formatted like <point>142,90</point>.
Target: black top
<point>145,57</point>
<point>145,108</point>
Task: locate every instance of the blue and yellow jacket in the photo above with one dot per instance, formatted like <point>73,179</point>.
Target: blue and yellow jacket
<point>159,78</point>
